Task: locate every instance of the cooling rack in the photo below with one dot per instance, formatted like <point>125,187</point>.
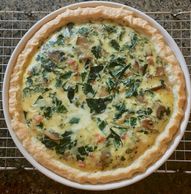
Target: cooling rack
<point>14,24</point>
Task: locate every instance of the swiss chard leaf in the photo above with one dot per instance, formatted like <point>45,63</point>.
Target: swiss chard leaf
<point>74,120</point>
<point>47,112</point>
<point>29,81</point>
<point>60,40</point>
<point>48,142</point>
<point>84,150</point>
<point>116,61</point>
<point>109,29</point>
<point>58,106</point>
<point>101,124</point>
<point>39,98</point>
<point>66,75</point>
<point>121,108</point>
<point>96,50</point>
<point>132,121</point>
<point>133,88</point>
<point>111,85</point>
<point>66,143</point>
<point>133,43</point>
<point>144,112</point>
<point>70,26</point>
<point>71,93</point>
<point>94,72</point>
<point>83,76</point>
<point>87,88</point>
<point>62,77</point>
<point>98,105</point>
<point>115,44</point>
<point>84,31</point>
<point>120,71</point>
<point>113,135</point>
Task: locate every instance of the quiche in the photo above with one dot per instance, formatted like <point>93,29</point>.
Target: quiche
<point>96,95</point>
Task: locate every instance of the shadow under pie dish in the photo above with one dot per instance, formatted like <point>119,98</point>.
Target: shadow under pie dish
<point>96,95</point>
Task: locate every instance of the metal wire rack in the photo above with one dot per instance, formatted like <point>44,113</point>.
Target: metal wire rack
<point>14,24</point>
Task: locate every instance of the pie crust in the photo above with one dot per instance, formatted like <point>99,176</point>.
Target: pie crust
<point>173,71</point>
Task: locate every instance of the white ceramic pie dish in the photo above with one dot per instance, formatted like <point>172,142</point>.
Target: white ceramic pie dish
<point>112,185</point>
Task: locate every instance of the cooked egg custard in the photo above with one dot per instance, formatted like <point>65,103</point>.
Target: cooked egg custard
<point>96,95</point>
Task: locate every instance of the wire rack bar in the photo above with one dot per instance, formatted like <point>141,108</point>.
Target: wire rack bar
<point>14,24</point>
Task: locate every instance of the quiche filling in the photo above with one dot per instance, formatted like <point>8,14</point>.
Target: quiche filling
<point>96,95</point>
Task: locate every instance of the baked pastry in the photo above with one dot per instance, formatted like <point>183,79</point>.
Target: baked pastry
<point>96,95</point>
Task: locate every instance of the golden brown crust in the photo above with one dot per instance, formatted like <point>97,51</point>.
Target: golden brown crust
<point>173,70</point>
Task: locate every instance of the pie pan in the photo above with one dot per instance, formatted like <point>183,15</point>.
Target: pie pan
<point>112,185</point>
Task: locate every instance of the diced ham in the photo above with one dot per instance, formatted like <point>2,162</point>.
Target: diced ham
<point>38,119</point>
<point>159,71</point>
<point>73,64</point>
<point>100,138</point>
<point>81,164</point>
<point>124,136</point>
<point>150,60</point>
